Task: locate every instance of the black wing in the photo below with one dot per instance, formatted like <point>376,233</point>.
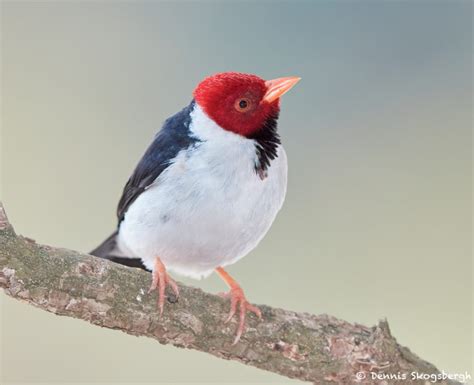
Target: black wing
<point>172,138</point>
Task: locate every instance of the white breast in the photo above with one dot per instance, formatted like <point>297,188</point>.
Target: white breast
<point>209,208</point>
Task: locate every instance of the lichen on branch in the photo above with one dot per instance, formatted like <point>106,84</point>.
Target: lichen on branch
<point>317,348</point>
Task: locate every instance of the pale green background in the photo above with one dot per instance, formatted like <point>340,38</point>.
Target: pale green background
<point>377,221</point>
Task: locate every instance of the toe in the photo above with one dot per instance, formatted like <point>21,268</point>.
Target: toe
<point>154,282</point>
<point>161,292</point>
<point>241,327</point>
<point>233,309</point>
<point>255,310</point>
<point>173,285</point>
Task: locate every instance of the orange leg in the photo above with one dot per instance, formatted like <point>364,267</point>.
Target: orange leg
<point>160,279</point>
<point>237,298</point>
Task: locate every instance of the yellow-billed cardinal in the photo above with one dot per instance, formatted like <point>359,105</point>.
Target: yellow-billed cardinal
<point>208,187</point>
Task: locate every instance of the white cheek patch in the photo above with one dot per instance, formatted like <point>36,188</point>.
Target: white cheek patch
<point>204,128</point>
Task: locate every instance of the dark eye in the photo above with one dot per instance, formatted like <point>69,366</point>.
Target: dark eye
<point>242,104</point>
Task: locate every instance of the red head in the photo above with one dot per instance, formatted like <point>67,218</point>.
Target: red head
<point>241,103</point>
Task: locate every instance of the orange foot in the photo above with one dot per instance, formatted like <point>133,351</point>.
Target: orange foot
<point>160,279</point>
<point>237,298</point>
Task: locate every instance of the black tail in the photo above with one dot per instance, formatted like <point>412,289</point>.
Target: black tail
<point>107,248</point>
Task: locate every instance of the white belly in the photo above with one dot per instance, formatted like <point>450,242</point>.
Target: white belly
<point>208,209</point>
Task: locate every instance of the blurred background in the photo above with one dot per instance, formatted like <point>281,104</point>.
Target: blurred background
<point>377,220</point>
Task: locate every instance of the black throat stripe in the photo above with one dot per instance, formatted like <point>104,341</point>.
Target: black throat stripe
<point>267,142</point>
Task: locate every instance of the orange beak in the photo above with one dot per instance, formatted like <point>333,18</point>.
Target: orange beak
<point>277,87</point>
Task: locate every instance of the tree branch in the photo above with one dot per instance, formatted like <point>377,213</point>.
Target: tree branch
<point>320,349</point>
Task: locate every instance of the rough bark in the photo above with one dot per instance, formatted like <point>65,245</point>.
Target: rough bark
<point>316,348</point>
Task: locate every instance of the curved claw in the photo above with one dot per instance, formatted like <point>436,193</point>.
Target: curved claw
<point>160,279</point>
<point>173,285</point>
<point>237,298</point>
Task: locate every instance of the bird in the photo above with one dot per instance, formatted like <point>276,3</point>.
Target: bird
<point>207,189</point>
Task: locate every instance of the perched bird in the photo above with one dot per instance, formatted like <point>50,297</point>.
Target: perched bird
<point>207,189</point>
